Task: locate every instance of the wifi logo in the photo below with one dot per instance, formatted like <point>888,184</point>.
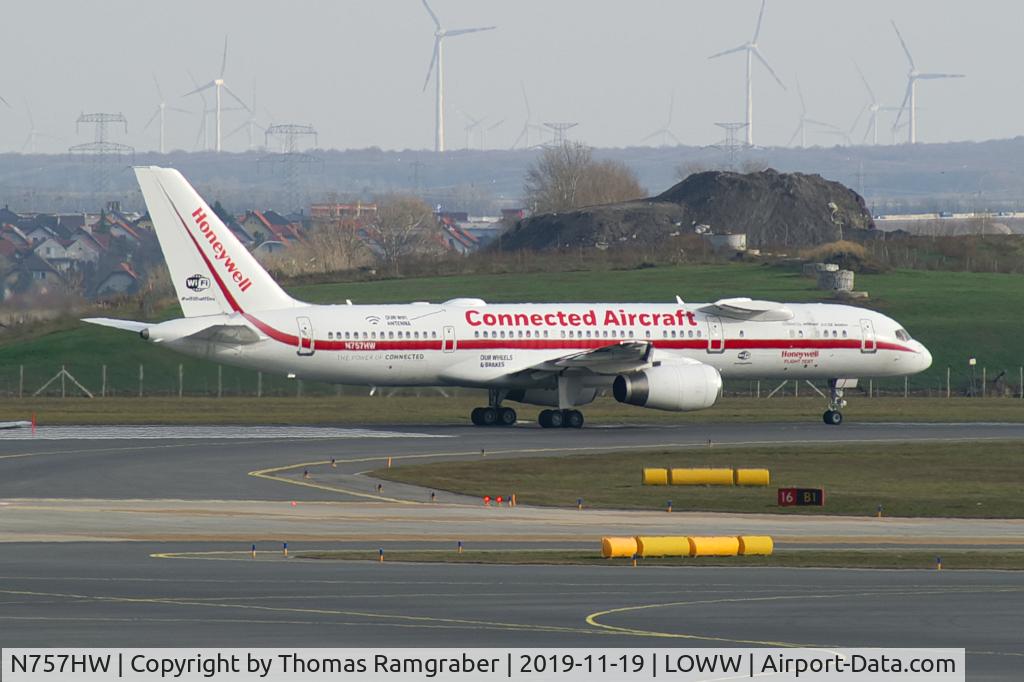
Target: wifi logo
<point>373,319</point>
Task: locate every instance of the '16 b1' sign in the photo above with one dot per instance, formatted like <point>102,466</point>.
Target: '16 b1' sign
<point>801,497</point>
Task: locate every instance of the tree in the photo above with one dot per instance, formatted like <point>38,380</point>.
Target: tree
<point>567,177</point>
<point>404,226</point>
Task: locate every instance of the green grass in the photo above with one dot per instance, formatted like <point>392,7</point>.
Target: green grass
<point>969,479</point>
<point>431,408</point>
<point>957,315</point>
<point>956,559</point>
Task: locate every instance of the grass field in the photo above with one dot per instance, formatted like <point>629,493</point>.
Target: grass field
<point>957,315</point>
<point>432,408</point>
<point>970,479</point>
<point>897,558</point>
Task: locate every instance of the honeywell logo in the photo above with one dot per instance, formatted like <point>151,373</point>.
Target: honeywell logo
<point>220,253</point>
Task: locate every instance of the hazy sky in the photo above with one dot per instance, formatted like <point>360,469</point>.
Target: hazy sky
<point>355,69</point>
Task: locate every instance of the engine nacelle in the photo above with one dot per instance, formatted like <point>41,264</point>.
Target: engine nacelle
<point>677,388</point>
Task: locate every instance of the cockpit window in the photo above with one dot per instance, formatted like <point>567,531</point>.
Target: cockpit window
<point>902,335</point>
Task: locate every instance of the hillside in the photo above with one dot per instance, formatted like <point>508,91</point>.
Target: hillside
<point>771,208</point>
<point>955,314</point>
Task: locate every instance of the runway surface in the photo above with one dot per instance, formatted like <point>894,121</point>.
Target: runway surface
<point>178,466</point>
<point>103,594</point>
<point>217,489</point>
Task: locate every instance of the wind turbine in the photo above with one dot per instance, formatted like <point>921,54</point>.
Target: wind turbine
<point>219,85</point>
<point>912,77</point>
<point>438,58</point>
<point>472,123</point>
<point>801,129</point>
<point>528,124</point>
<point>485,130</point>
<point>873,107</point>
<point>752,51</point>
<point>249,123</point>
<point>33,133</point>
<point>665,131</point>
<point>161,111</point>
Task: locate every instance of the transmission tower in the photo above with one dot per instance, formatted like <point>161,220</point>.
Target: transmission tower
<point>732,145</point>
<point>558,130</point>
<point>104,155</point>
<point>289,161</point>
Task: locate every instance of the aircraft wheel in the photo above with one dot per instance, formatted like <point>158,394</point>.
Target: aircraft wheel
<point>556,419</point>
<point>833,417</point>
<point>544,419</point>
<point>488,416</point>
<point>476,417</point>
<point>572,419</point>
<point>506,416</point>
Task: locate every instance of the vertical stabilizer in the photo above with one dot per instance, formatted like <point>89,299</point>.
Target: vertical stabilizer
<point>211,270</point>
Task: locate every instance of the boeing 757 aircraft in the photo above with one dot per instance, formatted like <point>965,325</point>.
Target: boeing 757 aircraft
<point>663,356</point>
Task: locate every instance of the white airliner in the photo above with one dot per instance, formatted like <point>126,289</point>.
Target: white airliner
<point>561,355</point>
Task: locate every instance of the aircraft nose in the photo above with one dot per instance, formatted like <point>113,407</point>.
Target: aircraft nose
<point>924,358</point>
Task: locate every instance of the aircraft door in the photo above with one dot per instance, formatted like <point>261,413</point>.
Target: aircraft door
<point>306,345</point>
<point>716,338</point>
<point>448,341</point>
<point>868,343</point>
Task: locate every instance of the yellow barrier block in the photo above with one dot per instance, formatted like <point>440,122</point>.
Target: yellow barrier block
<point>618,547</point>
<point>662,546</point>
<point>756,545</point>
<point>655,477</point>
<point>714,546</point>
<point>702,477</point>
<point>752,477</point>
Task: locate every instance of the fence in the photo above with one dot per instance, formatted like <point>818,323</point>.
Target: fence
<point>203,379</point>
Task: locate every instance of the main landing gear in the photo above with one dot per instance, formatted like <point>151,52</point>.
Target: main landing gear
<point>833,416</point>
<point>494,414</point>
<point>553,419</point>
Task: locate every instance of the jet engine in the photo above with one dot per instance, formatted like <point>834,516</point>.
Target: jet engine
<point>675,387</point>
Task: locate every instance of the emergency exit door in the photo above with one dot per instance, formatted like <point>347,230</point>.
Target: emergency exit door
<point>306,344</point>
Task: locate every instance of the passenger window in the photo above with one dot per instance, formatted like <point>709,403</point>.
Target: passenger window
<point>648,333</point>
<point>545,333</point>
<point>476,334</point>
<point>330,336</point>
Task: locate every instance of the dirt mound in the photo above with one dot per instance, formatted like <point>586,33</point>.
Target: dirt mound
<point>772,208</point>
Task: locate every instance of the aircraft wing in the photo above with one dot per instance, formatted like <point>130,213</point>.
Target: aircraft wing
<point>127,325</point>
<point>749,309</point>
<point>614,358</point>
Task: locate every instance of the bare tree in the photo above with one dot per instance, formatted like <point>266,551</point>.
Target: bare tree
<point>566,177</point>
<point>336,245</point>
<point>404,226</point>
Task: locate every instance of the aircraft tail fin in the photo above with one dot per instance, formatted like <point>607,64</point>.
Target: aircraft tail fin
<point>211,270</point>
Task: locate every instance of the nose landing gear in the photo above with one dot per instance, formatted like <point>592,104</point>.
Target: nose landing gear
<point>833,416</point>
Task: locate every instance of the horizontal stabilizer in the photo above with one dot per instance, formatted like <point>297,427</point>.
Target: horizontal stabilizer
<point>127,325</point>
<point>231,334</point>
<point>749,309</point>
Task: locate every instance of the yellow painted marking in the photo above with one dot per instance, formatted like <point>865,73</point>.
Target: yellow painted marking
<point>592,619</point>
<point>268,474</point>
<point>422,621</point>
